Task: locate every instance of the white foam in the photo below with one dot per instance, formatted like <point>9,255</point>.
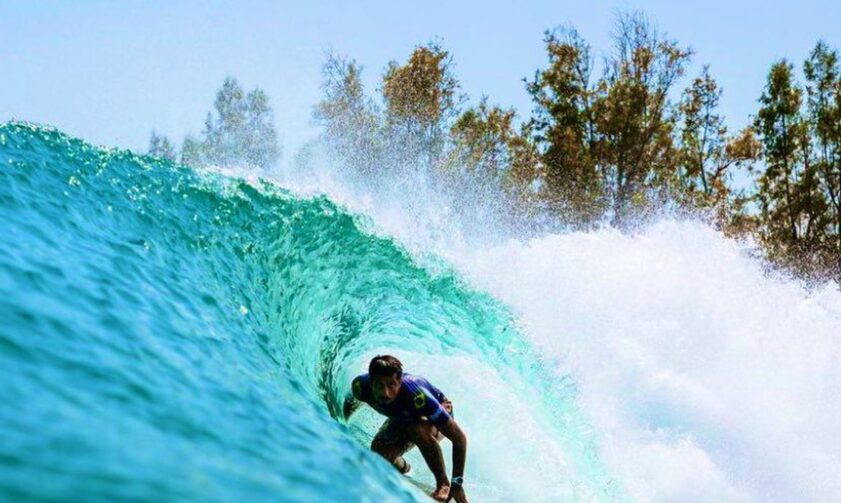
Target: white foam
<point>704,379</point>
<point>510,455</point>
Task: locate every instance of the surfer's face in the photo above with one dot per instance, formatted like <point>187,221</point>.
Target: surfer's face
<point>385,388</point>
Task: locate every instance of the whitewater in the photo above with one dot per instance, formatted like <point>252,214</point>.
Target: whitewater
<point>179,334</point>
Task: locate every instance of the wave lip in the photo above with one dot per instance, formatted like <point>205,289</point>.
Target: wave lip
<point>183,334</point>
<point>173,333</point>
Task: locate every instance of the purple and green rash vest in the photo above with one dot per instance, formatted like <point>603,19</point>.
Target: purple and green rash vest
<point>417,399</point>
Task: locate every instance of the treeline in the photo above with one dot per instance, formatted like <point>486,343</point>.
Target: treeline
<point>240,131</point>
<point>614,142</point>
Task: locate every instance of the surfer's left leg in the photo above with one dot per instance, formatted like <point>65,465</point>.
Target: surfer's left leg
<point>426,437</point>
<point>391,442</point>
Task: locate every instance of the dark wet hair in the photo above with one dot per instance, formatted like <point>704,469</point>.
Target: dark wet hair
<point>386,366</point>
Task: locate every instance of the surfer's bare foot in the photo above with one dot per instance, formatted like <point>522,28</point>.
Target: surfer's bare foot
<point>441,494</point>
<point>457,494</point>
<point>402,465</point>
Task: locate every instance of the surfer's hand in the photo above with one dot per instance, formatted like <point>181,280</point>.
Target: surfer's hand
<point>442,494</point>
<point>457,493</point>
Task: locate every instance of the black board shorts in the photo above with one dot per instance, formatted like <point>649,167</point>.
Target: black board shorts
<point>393,432</point>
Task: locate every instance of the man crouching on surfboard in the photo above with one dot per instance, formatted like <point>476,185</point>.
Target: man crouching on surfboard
<point>418,414</point>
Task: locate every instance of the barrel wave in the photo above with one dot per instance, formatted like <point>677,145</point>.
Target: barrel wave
<point>173,334</point>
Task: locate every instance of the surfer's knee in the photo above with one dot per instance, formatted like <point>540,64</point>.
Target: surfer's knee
<point>384,449</point>
<point>378,446</point>
<point>423,433</point>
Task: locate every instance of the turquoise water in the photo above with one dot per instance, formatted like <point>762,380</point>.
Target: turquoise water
<point>169,334</point>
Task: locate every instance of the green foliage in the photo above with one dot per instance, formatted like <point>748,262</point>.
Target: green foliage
<point>490,157</point>
<point>607,147</point>
<point>707,155</point>
<point>482,138</point>
<point>793,214</point>
<point>564,129</point>
<point>350,119</point>
<point>240,133</point>
<point>421,103</point>
<point>615,146</point>
<point>422,93</point>
<point>634,115</point>
<point>703,138</point>
<point>823,90</point>
<point>421,100</point>
<point>160,146</point>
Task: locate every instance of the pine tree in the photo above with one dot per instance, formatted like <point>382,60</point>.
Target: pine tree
<point>241,132</point>
<point>823,88</point>
<point>564,128</point>
<point>351,121</point>
<point>608,148</point>
<point>634,115</point>
<point>422,100</point>
<point>160,146</point>
<point>792,207</point>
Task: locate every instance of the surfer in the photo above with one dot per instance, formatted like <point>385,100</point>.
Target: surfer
<point>418,415</point>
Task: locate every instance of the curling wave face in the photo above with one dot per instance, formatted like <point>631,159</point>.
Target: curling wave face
<point>169,333</point>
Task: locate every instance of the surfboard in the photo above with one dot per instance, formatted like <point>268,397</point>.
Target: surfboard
<point>424,487</point>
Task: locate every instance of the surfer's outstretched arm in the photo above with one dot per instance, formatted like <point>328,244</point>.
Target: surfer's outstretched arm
<point>354,399</point>
<point>351,404</point>
<point>452,431</point>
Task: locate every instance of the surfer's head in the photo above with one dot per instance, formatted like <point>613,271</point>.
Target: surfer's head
<point>385,372</point>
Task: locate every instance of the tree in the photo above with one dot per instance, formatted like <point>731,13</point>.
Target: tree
<point>707,154</point>
<point>607,148</point>
<point>240,133</point>
<point>634,115</point>
<point>351,121</point>
<point>482,138</point>
<point>224,134</point>
<point>523,179</point>
<point>703,137</point>
<point>160,146</point>
<point>490,158</point>
<point>792,208</point>
<point>192,152</point>
<point>564,129</point>
<point>260,138</point>
<point>732,214</point>
<point>421,99</point>
<point>823,89</point>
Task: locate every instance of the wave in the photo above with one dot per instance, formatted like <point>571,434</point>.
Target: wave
<point>180,333</point>
<point>172,333</point>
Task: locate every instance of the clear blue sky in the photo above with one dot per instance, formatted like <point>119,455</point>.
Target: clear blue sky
<point>110,72</point>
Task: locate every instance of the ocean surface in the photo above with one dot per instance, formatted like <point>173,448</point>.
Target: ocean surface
<point>171,334</point>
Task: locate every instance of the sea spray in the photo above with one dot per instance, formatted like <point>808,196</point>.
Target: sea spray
<point>706,379</point>
<point>170,333</point>
<point>704,375</point>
